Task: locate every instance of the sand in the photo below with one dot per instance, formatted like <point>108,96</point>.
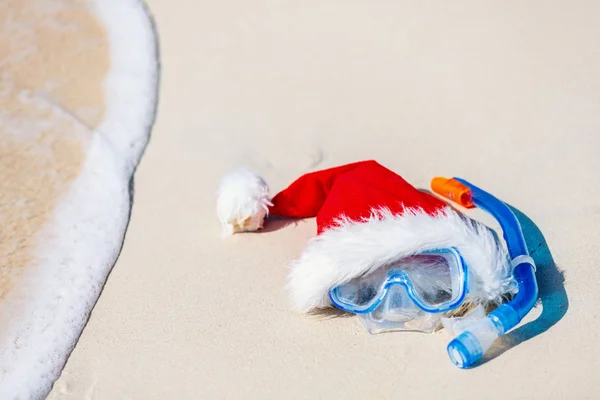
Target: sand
<point>503,94</point>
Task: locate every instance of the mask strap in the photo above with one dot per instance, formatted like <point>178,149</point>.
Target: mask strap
<point>523,259</point>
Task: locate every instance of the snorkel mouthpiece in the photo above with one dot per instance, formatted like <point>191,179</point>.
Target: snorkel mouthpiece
<point>472,344</point>
<point>476,339</point>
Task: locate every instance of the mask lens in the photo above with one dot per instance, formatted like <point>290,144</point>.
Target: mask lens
<point>361,292</point>
<point>433,277</point>
<point>434,280</point>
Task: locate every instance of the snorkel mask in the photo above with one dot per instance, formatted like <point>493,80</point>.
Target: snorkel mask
<point>409,294</point>
<point>414,293</point>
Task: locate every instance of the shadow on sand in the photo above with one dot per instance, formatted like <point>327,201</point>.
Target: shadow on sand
<point>274,223</point>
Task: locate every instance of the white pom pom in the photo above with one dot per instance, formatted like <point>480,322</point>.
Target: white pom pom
<point>243,201</point>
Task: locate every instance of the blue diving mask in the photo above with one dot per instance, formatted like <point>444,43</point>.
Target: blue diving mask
<point>409,294</point>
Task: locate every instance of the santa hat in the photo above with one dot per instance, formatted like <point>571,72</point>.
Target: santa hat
<point>367,217</point>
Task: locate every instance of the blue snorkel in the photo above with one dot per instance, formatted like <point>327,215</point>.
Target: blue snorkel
<point>470,345</point>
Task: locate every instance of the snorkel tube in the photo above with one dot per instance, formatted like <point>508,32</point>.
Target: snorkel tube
<point>470,345</point>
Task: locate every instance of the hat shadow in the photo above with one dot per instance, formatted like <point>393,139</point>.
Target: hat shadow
<point>274,223</point>
<point>552,294</point>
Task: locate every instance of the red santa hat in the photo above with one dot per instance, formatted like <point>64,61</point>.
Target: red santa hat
<point>367,217</point>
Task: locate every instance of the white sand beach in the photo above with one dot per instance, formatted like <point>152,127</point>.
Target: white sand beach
<point>506,95</point>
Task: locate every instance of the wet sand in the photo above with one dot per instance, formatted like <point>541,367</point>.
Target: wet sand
<point>55,60</point>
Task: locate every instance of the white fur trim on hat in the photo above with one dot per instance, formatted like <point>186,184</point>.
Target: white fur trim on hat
<point>242,202</point>
<point>352,249</point>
